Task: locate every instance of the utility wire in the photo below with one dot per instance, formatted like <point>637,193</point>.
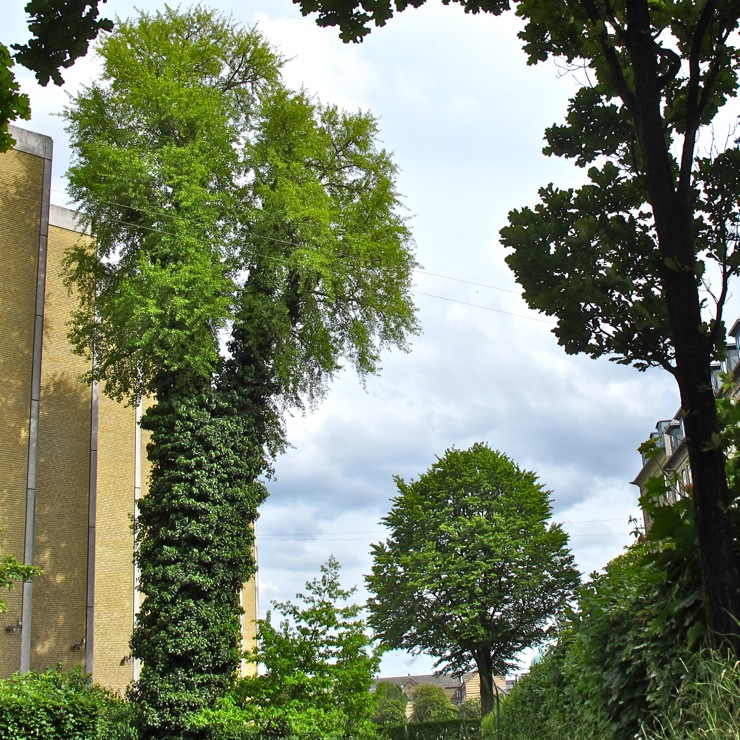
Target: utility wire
<point>380,533</point>
<point>485,308</point>
<point>166,214</point>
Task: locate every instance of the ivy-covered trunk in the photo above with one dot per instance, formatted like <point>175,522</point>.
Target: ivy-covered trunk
<point>194,552</point>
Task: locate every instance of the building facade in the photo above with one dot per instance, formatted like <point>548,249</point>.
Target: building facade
<point>670,458</point>
<point>74,461</point>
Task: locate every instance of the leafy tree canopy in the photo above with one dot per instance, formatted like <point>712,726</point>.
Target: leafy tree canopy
<point>354,16</point>
<point>472,573</point>
<point>61,32</point>
<point>218,198</point>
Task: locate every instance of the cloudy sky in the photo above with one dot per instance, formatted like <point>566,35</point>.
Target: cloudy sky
<point>464,116</point>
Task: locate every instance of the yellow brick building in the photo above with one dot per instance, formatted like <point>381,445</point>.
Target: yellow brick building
<point>73,460</point>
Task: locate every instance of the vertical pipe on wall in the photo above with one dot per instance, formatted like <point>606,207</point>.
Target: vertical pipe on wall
<point>31,142</point>
<point>91,520</point>
<point>137,496</point>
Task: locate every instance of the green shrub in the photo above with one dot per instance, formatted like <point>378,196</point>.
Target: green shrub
<point>389,712</point>
<point>454,729</point>
<point>431,704</point>
<point>551,703</point>
<point>470,709</point>
<point>622,653</point>
<point>63,705</point>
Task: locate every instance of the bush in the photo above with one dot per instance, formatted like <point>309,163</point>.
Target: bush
<point>470,709</point>
<point>389,712</point>
<point>621,656</point>
<point>61,705</point>
<point>454,729</point>
<point>431,704</point>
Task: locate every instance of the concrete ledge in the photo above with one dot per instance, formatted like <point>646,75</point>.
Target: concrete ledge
<point>66,218</point>
<point>31,143</point>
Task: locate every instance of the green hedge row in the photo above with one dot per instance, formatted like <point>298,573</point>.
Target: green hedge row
<point>453,729</point>
<point>61,705</point>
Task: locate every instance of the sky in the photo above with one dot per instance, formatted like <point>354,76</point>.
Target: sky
<point>464,117</point>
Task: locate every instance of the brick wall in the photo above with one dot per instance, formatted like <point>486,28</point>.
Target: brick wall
<point>114,542</point>
<point>63,490</point>
<point>21,183</point>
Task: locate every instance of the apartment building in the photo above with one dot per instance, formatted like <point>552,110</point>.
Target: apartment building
<point>672,459</point>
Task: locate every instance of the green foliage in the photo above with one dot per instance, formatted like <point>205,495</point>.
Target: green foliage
<point>194,550</point>
<point>319,664</point>
<point>354,16</point>
<point>472,572</point>
<point>13,103</point>
<point>625,262</point>
<point>617,309</point>
<point>621,655</point>
<point>287,213</point>
<point>597,258</point>
<point>390,704</point>
<point>470,709</point>
<point>389,711</point>
<point>61,705</point>
<point>61,33</point>
<point>154,169</point>
<point>452,729</point>
<point>389,690</point>
<point>13,571</point>
<point>542,705</point>
<point>225,209</point>
<point>431,704</point>
<point>706,703</point>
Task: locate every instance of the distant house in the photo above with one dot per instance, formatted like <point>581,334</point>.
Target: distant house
<point>458,688</point>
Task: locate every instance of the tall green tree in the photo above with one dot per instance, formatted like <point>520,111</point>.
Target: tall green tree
<point>472,573</point>
<point>623,261</point>
<point>61,32</point>
<point>227,212</point>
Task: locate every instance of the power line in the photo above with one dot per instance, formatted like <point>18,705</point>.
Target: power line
<point>467,282</point>
<point>485,308</point>
<point>380,533</point>
<point>165,214</point>
<point>320,538</point>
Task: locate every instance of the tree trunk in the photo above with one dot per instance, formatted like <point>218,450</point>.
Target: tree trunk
<point>672,203</point>
<point>194,551</point>
<point>484,664</point>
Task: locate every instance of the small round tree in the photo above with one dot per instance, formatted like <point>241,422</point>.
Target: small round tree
<point>431,704</point>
